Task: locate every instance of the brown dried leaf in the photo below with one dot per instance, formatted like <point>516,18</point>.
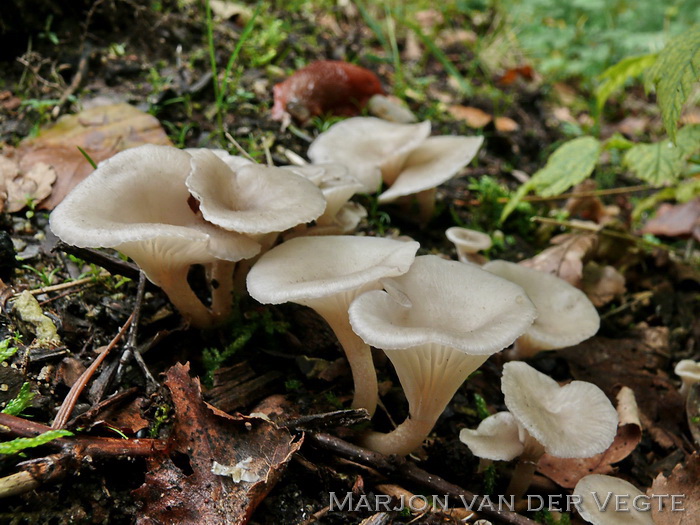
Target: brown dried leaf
<point>181,488</point>
<point>567,472</point>
<point>506,125</point>
<point>565,258</point>
<point>101,131</point>
<point>638,363</point>
<point>679,220</point>
<point>684,481</point>
<point>602,283</point>
<point>33,185</point>
<point>473,117</point>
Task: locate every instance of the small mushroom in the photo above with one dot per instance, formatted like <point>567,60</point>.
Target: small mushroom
<point>373,149</point>
<point>326,274</point>
<point>689,372</point>
<point>435,161</point>
<point>576,420</point>
<point>498,437</point>
<point>607,500</point>
<point>468,243</point>
<point>437,323</point>
<point>565,316</point>
<point>137,202</point>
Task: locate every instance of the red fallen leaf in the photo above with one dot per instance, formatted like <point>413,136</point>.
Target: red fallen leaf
<point>101,131</point>
<point>566,472</point>
<point>220,467</point>
<point>684,482</point>
<point>325,86</point>
<point>525,72</point>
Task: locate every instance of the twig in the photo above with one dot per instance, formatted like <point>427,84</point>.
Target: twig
<point>75,83</point>
<point>71,399</point>
<point>57,287</point>
<point>112,264</point>
<point>240,148</point>
<point>409,471</point>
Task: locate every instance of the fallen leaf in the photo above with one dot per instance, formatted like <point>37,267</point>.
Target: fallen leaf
<point>684,482</point>
<point>602,284</point>
<point>101,131</point>
<point>566,472</point>
<point>565,258</point>
<point>30,186</point>
<point>639,363</point>
<point>676,220</point>
<point>506,125</point>
<point>189,485</point>
<point>473,117</point>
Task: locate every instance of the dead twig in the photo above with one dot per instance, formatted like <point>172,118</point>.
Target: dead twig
<point>408,471</point>
<point>113,265</point>
<point>71,399</point>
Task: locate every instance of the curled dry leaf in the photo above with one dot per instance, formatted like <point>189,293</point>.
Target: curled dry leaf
<point>683,481</point>
<point>506,125</point>
<point>567,472</point>
<point>18,188</point>
<point>602,284</point>
<point>324,86</point>
<point>565,258</point>
<point>207,443</point>
<point>101,131</point>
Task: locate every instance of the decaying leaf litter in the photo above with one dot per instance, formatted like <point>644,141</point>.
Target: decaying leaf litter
<point>282,363</point>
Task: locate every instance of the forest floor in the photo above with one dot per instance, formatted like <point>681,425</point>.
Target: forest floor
<point>283,361</point>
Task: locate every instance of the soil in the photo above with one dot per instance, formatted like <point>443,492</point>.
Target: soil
<point>156,58</point>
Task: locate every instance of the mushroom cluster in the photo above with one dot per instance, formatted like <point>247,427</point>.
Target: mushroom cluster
<point>436,320</point>
<point>572,421</point>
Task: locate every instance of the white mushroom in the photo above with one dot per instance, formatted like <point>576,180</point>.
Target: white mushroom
<point>437,324</point>
<point>565,316</point>
<point>373,149</point>
<point>606,500</point>
<point>689,372</point>
<point>435,161</point>
<point>468,243</point>
<point>326,274</point>
<point>497,437</point>
<point>576,420</point>
<point>137,203</point>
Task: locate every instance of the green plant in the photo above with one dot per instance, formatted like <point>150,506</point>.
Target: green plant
<point>159,419</point>
<point>21,401</point>
<point>45,276</point>
<point>18,445</point>
<point>7,351</point>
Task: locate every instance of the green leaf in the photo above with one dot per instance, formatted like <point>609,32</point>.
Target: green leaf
<point>570,164</point>
<point>17,405</point>
<point>673,75</point>
<point>20,444</point>
<point>6,351</point>
<point>615,76</point>
<point>662,162</point>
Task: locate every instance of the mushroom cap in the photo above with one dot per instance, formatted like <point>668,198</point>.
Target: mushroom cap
<point>136,202</point>
<point>252,199</point>
<point>335,182</point>
<point>304,268</point>
<point>468,241</point>
<point>497,437</point>
<point>599,486</point>
<point>232,161</point>
<point>443,302</point>
<point>433,162</point>
<point>565,316</point>
<point>371,148</point>
<point>688,370</point>
<point>573,421</point>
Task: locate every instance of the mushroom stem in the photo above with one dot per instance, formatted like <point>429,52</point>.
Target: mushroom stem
<point>404,439</point>
<point>185,300</point>
<point>430,375</point>
<point>359,356</point>
<point>221,273</point>
<point>525,468</point>
<point>426,204</point>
